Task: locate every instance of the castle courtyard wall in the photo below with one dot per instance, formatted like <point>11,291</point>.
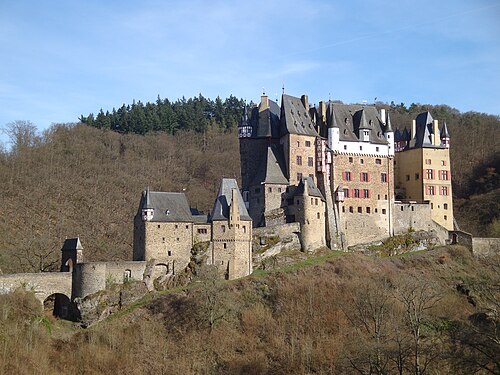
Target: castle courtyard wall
<point>42,284</point>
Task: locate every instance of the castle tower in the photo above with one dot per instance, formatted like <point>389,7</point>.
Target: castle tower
<point>231,242</point>
<point>423,169</point>
<point>71,254</point>
<point>309,210</point>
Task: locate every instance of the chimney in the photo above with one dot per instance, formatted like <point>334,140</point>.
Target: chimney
<point>437,138</point>
<point>305,101</point>
<point>382,116</point>
<point>322,111</point>
<point>264,103</point>
<point>413,129</point>
<point>234,212</point>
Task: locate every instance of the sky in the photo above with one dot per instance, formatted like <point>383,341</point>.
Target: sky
<point>61,59</point>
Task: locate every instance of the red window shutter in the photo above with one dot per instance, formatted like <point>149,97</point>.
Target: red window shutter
<point>368,173</point>
<point>369,192</point>
<point>361,176</point>
<point>352,193</point>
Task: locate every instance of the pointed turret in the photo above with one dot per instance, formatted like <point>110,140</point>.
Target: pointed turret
<point>389,134</point>
<point>445,136</point>
<point>388,125</point>
<point>147,208</point>
<point>333,128</point>
<point>364,128</point>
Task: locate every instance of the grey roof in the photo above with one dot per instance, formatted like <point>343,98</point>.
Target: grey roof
<point>311,187</point>
<point>444,131</point>
<point>271,168</point>
<point>406,135</point>
<point>72,244</point>
<point>265,123</point>
<point>388,125</point>
<point>148,200</point>
<point>295,118</point>
<point>200,219</point>
<point>351,117</point>
<point>168,207</point>
<point>397,135</point>
<point>220,210</point>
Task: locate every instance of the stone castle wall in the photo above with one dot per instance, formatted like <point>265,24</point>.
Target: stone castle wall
<point>42,284</point>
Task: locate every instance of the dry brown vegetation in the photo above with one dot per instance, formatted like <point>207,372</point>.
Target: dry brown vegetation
<point>433,312</point>
<point>80,181</point>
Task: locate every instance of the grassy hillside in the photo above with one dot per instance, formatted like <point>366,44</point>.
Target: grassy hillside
<point>347,314</point>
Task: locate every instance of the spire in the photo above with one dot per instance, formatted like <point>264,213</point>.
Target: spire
<point>331,121</point>
<point>244,120</point>
<point>444,131</point>
<point>388,126</point>
<point>363,124</point>
<point>148,200</point>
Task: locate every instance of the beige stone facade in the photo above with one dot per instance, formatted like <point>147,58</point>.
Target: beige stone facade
<point>300,156</point>
<point>367,184</point>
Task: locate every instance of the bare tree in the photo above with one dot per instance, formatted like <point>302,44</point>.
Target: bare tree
<point>417,297</point>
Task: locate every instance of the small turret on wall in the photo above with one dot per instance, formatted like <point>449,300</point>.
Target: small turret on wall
<point>71,254</point>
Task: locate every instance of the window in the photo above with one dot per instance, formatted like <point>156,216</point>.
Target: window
<point>311,176</point>
<point>308,143</point>
<point>443,175</point>
<point>244,229</point>
<point>431,190</point>
<point>187,226</point>
<point>351,210</point>
<point>377,149</point>
<point>350,158</point>
<point>346,193</point>
<point>223,228</point>
<point>176,226</point>
<point>366,193</point>
<point>347,176</point>
<point>343,208</point>
<point>407,177</point>
<point>360,210</point>
<point>368,210</point>
<point>317,215</point>
<point>443,162</point>
<point>378,161</point>
<point>312,201</point>
<point>428,161</point>
<point>364,177</point>
<point>445,217</point>
<point>345,147</point>
<point>270,189</point>
<point>202,230</point>
<point>378,196</point>
<point>299,160</point>
<point>444,190</point>
<point>299,176</point>
<point>383,177</point>
<point>279,190</point>
<point>315,201</point>
<point>383,211</point>
<point>356,193</point>
<point>417,176</point>
<point>360,148</point>
<point>310,162</point>
<point>385,197</point>
<point>361,161</point>
<point>177,239</point>
<point>158,226</point>
<point>298,144</point>
<point>225,245</point>
<point>169,253</point>
<point>429,174</point>
<point>445,206</point>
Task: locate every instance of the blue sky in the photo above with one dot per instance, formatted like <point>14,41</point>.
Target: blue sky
<point>61,59</point>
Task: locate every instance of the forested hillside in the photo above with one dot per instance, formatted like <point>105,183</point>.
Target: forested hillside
<point>78,180</point>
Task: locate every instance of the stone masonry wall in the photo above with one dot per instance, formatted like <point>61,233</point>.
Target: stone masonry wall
<point>364,219</point>
<point>42,284</point>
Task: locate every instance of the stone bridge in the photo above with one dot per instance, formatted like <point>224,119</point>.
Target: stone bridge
<point>42,284</point>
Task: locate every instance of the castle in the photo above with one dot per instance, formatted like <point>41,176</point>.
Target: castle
<point>334,169</point>
<point>340,171</point>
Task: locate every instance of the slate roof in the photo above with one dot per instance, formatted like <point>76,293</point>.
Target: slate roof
<point>313,190</point>
<point>444,131</point>
<point>220,210</point>
<point>168,207</point>
<point>424,129</point>
<point>349,118</point>
<point>295,118</point>
<point>271,169</point>
<point>72,244</point>
<point>267,122</point>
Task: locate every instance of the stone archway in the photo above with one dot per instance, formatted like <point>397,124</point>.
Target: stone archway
<point>61,306</point>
